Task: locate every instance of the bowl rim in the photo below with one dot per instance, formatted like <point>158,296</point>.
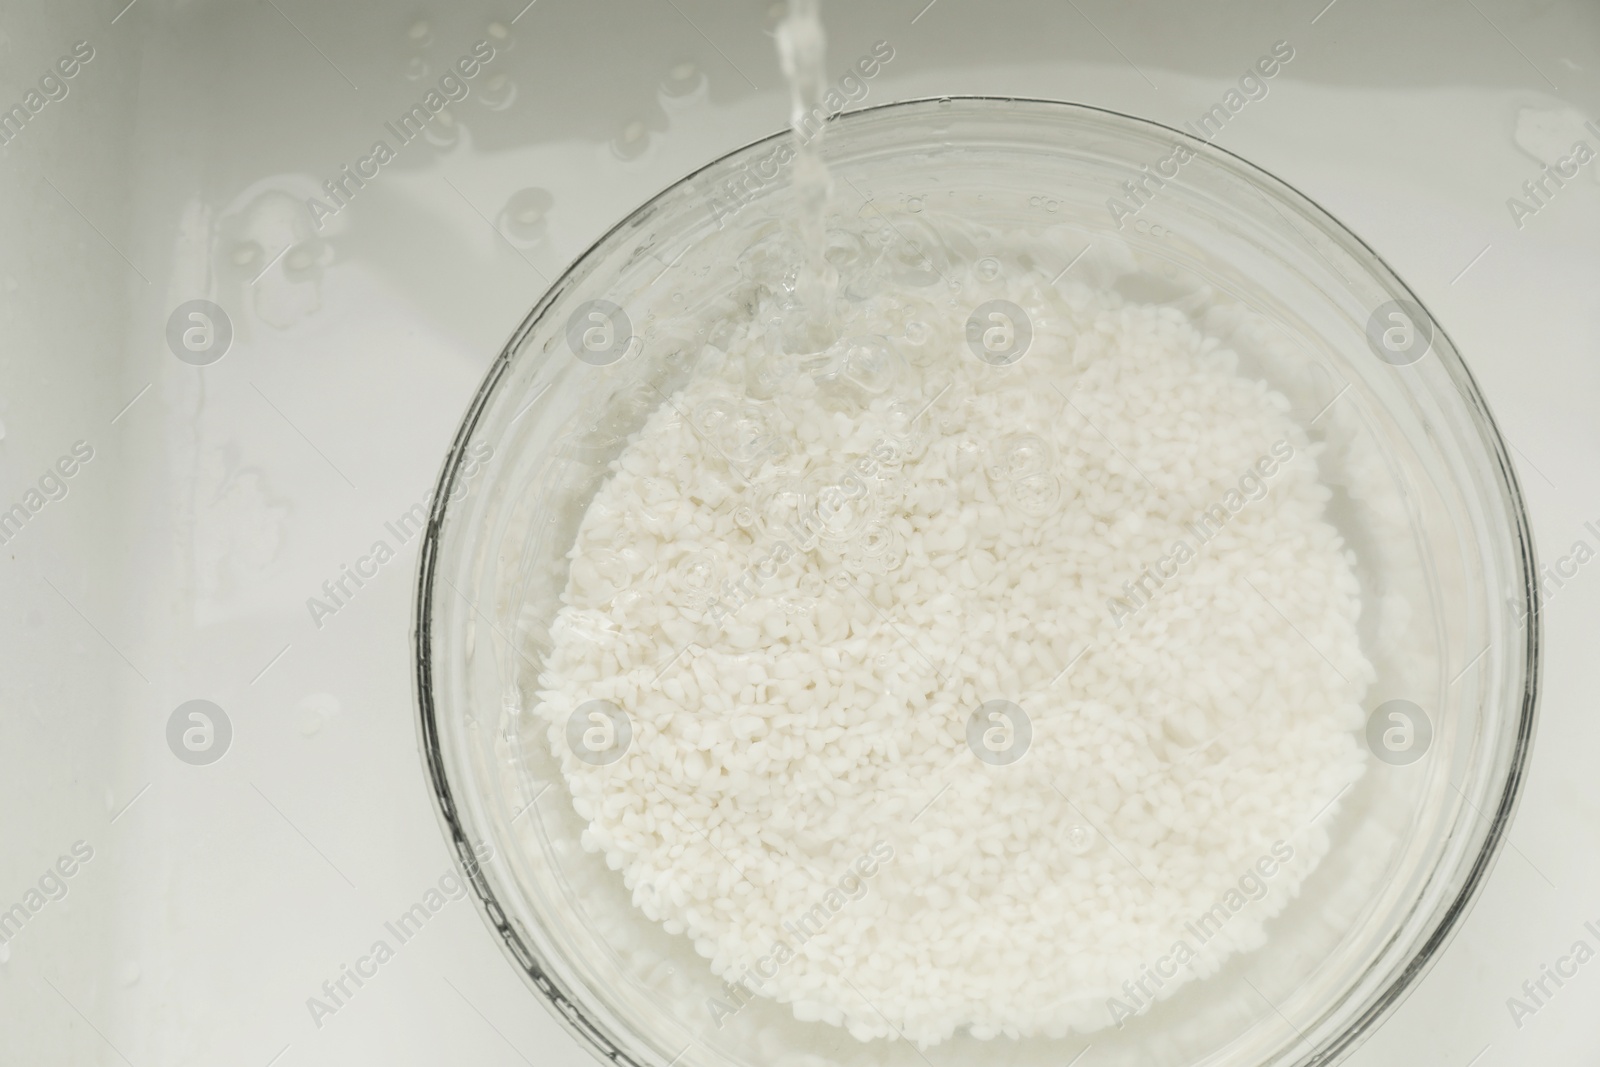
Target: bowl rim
<point>1379,1006</point>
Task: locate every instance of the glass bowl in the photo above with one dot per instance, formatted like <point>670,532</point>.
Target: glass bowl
<point>1421,489</point>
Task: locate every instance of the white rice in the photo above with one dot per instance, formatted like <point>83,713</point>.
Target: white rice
<point>798,603</point>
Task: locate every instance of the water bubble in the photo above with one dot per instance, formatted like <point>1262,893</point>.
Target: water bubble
<point>914,253</point>
<point>769,372</point>
<point>765,259</point>
<point>785,511</point>
<point>1079,839</point>
<point>697,577</point>
<point>988,268</point>
<point>914,204</point>
<point>846,251</point>
<point>1021,455</point>
<point>869,363</point>
<point>738,430</point>
<point>841,503</point>
<point>420,34</point>
<point>877,549</point>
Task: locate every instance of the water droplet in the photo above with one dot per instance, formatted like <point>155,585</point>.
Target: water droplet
<point>498,92</point>
<point>914,204</point>
<point>500,33</point>
<point>420,33</point>
<point>417,69</point>
<point>988,268</point>
<point>525,214</point>
<point>246,252</point>
<point>301,258</point>
<point>682,79</point>
<point>1080,839</point>
<point>443,131</point>
<point>631,141</point>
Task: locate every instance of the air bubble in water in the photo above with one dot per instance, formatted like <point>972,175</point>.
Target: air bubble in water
<point>869,363</point>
